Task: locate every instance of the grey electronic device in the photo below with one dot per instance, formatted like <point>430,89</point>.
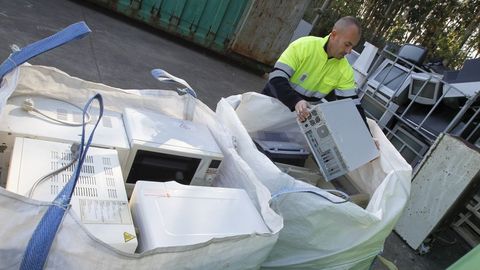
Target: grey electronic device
<point>338,138</point>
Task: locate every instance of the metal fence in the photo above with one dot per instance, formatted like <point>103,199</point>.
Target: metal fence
<point>414,106</point>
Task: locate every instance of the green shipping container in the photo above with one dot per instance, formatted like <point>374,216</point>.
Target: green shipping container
<point>257,30</point>
<point>209,23</point>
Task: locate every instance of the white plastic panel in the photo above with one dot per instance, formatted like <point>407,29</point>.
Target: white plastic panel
<point>171,214</point>
<point>110,132</point>
<point>364,61</point>
<point>147,127</point>
<point>350,133</point>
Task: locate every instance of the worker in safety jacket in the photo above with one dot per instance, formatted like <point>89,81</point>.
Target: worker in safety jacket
<point>312,67</point>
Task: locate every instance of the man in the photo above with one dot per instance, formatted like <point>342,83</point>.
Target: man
<point>311,67</point>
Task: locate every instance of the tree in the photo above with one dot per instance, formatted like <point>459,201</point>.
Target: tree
<point>449,29</point>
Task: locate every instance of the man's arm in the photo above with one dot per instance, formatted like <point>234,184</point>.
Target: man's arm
<point>279,87</point>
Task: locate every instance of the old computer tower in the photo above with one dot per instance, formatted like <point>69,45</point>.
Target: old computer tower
<point>338,137</point>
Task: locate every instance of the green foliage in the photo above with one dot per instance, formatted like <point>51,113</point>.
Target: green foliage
<point>448,28</point>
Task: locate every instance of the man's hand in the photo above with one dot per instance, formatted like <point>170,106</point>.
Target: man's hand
<point>301,108</point>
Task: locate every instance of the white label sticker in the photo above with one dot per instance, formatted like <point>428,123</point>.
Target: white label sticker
<point>104,212</point>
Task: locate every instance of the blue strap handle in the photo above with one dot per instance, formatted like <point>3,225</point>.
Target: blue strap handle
<point>41,241</point>
<point>72,32</point>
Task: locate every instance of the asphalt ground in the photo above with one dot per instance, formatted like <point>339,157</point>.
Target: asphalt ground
<point>121,52</point>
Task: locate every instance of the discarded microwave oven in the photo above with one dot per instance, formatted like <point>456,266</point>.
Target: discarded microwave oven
<point>163,148</point>
<point>171,214</point>
<point>99,199</point>
<point>338,138</point>
<point>15,121</point>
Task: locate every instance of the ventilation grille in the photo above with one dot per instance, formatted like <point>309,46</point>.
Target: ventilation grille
<point>76,117</point>
<point>107,122</point>
<point>106,161</point>
<point>110,182</point>
<point>108,171</point>
<point>87,184</point>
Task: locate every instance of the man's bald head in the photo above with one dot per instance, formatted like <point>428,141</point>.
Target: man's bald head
<point>344,36</point>
<point>346,23</point>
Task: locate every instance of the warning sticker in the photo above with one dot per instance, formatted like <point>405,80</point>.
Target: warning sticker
<point>127,237</point>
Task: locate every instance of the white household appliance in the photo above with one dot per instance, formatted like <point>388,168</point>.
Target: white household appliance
<point>99,199</point>
<point>363,62</point>
<point>338,138</point>
<point>169,214</point>
<point>164,149</point>
<point>17,122</point>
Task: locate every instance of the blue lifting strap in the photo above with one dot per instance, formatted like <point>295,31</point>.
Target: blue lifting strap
<point>39,244</point>
<point>72,32</point>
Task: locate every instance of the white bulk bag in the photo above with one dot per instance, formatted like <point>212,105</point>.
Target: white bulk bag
<point>76,248</point>
<point>318,234</point>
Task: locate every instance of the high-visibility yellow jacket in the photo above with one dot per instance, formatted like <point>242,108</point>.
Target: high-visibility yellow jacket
<point>311,73</point>
<point>306,68</point>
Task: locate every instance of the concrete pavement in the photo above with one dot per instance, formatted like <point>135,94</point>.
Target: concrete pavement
<point>120,52</point>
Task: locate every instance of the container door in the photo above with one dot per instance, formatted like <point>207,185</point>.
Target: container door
<point>267,29</point>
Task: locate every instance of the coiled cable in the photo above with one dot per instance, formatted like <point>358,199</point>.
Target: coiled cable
<point>29,106</point>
